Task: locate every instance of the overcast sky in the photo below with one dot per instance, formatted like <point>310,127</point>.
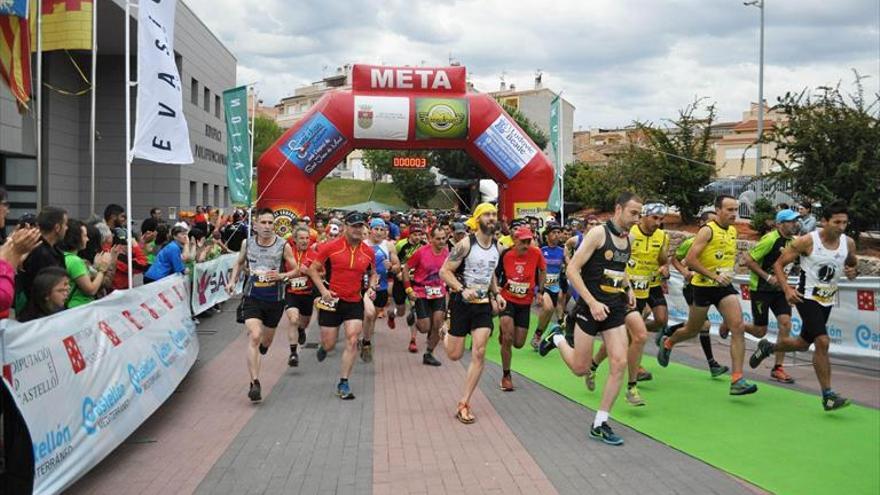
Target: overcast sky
<point>615,60</point>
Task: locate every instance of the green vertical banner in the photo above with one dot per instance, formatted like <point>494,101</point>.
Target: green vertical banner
<point>555,201</point>
<point>238,146</point>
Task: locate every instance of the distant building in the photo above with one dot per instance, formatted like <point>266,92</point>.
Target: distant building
<point>600,146</point>
<point>735,151</point>
<point>260,110</point>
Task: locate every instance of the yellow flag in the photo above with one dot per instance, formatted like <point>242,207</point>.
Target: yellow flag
<point>67,25</point>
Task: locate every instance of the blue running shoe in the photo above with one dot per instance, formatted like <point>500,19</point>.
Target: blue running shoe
<point>663,353</point>
<point>742,387</point>
<point>343,391</point>
<point>604,434</point>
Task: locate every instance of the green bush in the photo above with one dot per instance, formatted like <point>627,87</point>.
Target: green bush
<point>763,216</point>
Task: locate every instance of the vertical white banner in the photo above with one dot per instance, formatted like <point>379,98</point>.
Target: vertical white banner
<point>161,134</point>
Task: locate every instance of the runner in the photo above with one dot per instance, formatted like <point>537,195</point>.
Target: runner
<point>687,290</point>
<point>263,295</point>
<point>598,273</point>
<point>554,257</point>
<point>764,289</point>
<point>522,269</point>
<point>470,275</point>
<point>427,291</point>
<point>386,263</point>
<point>824,255</point>
<point>713,257</point>
<point>347,259</point>
<point>405,248</point>
<point>301,293</point>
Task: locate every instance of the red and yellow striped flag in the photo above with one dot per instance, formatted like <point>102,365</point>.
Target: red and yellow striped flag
<point>67,25</point>
<point>15,57</point>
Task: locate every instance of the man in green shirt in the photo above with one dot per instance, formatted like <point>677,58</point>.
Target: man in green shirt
<point>765,291</point>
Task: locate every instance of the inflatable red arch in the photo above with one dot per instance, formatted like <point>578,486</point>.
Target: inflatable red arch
<point>403,108</point>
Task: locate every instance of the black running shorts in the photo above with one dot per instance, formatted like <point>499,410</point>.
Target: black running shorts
<point>381,299</point>
<point>466,317</point>
<point>305,303</point>
<point>398,292</point>
<point>268,312</point>
<point>425,308</point>
<point>655,298</point>
<point>584,319</point>
<point>765,301</point>
<point>712,296</point>
<point>814,318</point>
<point>344,311</point>
<point>521,314</point>
<point>688,292</point>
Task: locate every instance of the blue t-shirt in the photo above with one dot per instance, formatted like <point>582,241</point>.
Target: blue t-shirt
<point>555,258</point>
<point>381,271</point>
<point>168,261</point>
<point>393,230</point>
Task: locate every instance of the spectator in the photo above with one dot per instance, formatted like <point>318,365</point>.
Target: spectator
<point>170,258</point>
<point>156,215</point>
<point>139,262</point>
<point>114,216</point>
<point>52,223</point>
<point>49,294</point>
<point>87,280</point>
<point>152,248</point>
<point>196,250</point>
<point>12,253</point>
<point>806,221</point>
<point>235,233</point>
<point>200,220</point>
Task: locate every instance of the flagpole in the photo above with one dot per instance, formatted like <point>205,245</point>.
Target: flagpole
<point>128,154</point>
<point>253,92</point>
<point>92,136</point>
<point>39,106</point>
<point>560,172</point>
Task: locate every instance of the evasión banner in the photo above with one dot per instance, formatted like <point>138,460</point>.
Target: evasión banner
<point>86,378</point>
<point>209,282</point>
<point>161,134</point>
<point>238,146</point>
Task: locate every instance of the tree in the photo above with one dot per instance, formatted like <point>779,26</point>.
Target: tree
<point>266,132</point>
<point>832,144</point>
<point>416,186</point>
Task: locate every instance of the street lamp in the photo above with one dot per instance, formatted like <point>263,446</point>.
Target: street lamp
<point>760,5</point>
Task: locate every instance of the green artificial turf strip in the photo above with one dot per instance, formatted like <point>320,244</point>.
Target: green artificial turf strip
<point>779,439</point>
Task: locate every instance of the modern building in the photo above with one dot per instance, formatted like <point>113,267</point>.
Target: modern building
<point>735,151</point>
<point>207,68</point>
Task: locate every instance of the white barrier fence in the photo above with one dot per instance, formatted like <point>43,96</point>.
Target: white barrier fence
<point>209,282</point>
<point>86,378</point>
<point>854,326</point>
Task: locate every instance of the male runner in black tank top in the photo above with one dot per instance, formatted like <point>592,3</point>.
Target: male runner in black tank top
<point>597,273</point>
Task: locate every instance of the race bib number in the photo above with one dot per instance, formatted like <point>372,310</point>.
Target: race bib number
<point>824,293</point>
<point>519,289</point>
<point>612,281</point>
<point>641,285</point>
<point>261,278</point>
<point>552,279</point>
<point>299,283</point>
<point>433,292</point>
<point>329,306</point>
<point>482,295</point>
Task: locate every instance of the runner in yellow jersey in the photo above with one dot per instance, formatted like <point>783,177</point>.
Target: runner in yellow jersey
<point>712,258</point>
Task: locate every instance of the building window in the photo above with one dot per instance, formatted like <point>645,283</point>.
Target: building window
<point>178,61</point>
<point>216,202</point>
<point>206,101</point>
<point>194,91</point>
<point>217,106</point>
<point>225,196</point>
<point>205,197</point>
<point>193,200</point>
<point>19,177</point>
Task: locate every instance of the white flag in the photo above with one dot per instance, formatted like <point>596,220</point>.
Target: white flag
<point>161,134</point>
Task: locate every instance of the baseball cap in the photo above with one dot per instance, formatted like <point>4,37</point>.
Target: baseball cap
<point>416,227</point>
<point>378,222</point>
<point>786,216</point>
<point>523,233</point>
<point>551,226</point>
<point>355,218</point>
<point>651,209</point>
<point>459,227</point>
<point>120,235</point>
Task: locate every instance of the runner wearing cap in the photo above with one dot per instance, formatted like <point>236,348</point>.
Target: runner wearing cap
<point>765,290</point>
<point>301,294</point>
<point>459,232</point>
<point>386,263</point>
<point>551,300</point>
<point>347,260</point>
<point>427,291</point>
<point>415,239</point>
<point>521,269</point>
<point>469,273</point>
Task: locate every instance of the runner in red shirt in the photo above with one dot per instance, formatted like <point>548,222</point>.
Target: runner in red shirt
<point>427,290</point>
<point>300,297</point>
<point>347,260</point>
<point>520,270</point>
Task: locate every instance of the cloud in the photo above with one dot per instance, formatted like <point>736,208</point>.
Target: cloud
<point>616,60</point>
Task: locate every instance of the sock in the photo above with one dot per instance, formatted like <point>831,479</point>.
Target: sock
<point>293,348</point>
<point>630,385</point>
<point>343,380</point>
<point>594,367</point>
<point>257,382</point>
<point>777,366</point>
<point>735,377</point>
<point>301,330</point>
<point>263,349</point>
<point>706,344</point>
<point>506,372</point>
<point>558,339</point>
<point>365,342</point>
<point>601,417</point>
<point>539,332</point>
<point>560,320</point>
<point>827,393</point>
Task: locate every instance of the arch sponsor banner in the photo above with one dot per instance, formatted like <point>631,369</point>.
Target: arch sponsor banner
<point>508,147</point>
<point>381,117</point>
<point>854,325</point>
<point>86,378</point>
<point>313,143</point>
<point>441,118</point>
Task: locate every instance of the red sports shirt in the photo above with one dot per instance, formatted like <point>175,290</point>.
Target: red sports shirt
<point>301,285</point>
<point>519,273</point>
<point>346,266</point>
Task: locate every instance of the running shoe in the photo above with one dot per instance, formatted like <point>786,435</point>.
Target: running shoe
<point>506,384</point>
<point>301,338</point>
<point>413,348</point>
<point>717,370</point>
<point>293,360</point>
<point>644,375</point>
<point>605,434</point>
<point>663,353</point>
<point>536,341</point>
<point>634,397</point>
<point>411,319</point>
<point>764,350</point>
<point>780,375</point>
<point>428,359</point>
<point>547,344</point>
<point>590,380</point>
<point>666,332</point>
<point>366,352</point>
<point>263,349</point>
<point>742,387</point>
<point>391,323</point>
<point>255,393</point>
<point>322,354</point>
<point>343,391</point>
<point>833,401</point>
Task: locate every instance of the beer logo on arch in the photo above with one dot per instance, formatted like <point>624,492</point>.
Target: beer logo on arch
<point>441,118</point>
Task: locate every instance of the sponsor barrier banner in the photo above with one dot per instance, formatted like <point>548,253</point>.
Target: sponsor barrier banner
<point>508,148</point>
<point>313,143</point>
<point>854,325</point>
<point>161,134</point>
<point>238,146</point>
<point>381,117</point>
<point>209,282</point>
<point>441,118</point>
<point>86,378</point>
